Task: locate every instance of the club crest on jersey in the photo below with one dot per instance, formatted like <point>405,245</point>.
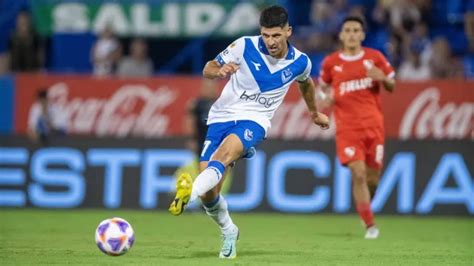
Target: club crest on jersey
<point>248,134</point>
<point>338,68</point>
<point>286,75</point>
<point>368,64</point>
<point>350,151</point>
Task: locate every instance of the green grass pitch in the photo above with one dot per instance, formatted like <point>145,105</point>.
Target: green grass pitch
<point>32,237</point>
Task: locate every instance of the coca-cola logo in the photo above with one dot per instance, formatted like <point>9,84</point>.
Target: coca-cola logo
<point>133,110</point>
<point>426,117</point>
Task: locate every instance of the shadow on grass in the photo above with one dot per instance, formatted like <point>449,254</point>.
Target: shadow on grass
<point>195,254</point>
<point>243,253</point>
<point>339,235</point>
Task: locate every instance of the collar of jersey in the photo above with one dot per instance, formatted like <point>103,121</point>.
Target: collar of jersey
<point>265,79</point>
<point>289,56</point>
<point>352,57</point>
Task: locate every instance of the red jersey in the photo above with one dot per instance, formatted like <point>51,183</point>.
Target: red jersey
<point>357,97</point>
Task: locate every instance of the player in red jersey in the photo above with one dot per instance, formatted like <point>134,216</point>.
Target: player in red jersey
<point>356,75</point>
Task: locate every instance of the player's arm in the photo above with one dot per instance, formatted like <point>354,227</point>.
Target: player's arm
<point>389,84</point>
<point>227,62</point>
<point>382,72</point>
<point>324,95</point>
<point>213,70</point>
<point>307,89</point>
<point>378,75</point>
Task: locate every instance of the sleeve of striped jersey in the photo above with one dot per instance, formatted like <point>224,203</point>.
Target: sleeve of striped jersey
<point>385,65</point>
<point>325,77</point>
<point>307,72</point>
<point>233,53</point>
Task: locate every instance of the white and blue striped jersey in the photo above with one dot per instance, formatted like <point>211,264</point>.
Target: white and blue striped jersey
<point>256,90</point>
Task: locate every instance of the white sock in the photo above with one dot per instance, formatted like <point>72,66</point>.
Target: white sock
<point>219,213</point>
<point>205,181</point>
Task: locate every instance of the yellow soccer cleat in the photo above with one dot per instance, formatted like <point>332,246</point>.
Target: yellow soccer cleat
<point>184,186</point>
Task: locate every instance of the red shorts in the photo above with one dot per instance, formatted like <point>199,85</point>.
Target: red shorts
<point>361,145</point>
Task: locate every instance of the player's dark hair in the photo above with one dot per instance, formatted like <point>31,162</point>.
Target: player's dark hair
<point>360,20</point>
<point>274,16</point>
<point>42,94</point>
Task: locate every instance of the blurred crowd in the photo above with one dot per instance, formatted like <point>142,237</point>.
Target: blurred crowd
<point>108,58</point>
<point>26,53</point>
<point>407,31</point>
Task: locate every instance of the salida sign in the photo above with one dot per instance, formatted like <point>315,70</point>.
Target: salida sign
<point>149,18</point>
<point>153,108</point>
<point>420,177</point>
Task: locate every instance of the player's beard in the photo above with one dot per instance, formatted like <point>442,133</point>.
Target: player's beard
<point>278,51</point>
<point>275,51</point>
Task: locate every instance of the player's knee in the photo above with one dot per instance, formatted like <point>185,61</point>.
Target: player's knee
<point>373,177</point>
<point>225,156</point>
<point>359,177</point>
<point>372,182</point>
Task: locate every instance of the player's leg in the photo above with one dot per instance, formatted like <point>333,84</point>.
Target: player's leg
<point>372,182</point>
<point>185,186</point>
<point>351,153</point>
<point>374,151</point>
<point>223,154</point>
<point>216,208</point>
<point>361,191</point>
<point>250,135</point>
<point>213,202</point>
<point>362,197</point>
<point>228,151</point>
<point>241,138</point>
<point>374,158</point>
<point>373,176</point>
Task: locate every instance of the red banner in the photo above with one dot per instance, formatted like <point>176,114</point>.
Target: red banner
<point>156,107</point>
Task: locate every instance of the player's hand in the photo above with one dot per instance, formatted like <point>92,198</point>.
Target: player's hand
<point>375,73</point>
<point>320,119</point>
<point>324,100</point>
<point>227,70</point>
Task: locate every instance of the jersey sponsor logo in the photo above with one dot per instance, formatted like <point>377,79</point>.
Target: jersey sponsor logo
<point>248,134</point>
<point>257,65</point>
<point>355,85</point>
<point>338,68</point>
<point>258,98</point>
<point>286,75</point>
<point>350,151</point>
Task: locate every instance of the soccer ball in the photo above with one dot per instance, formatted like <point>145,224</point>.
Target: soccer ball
<point>114,236</point>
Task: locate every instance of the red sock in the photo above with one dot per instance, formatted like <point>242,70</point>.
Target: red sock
<point>365,213</point>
